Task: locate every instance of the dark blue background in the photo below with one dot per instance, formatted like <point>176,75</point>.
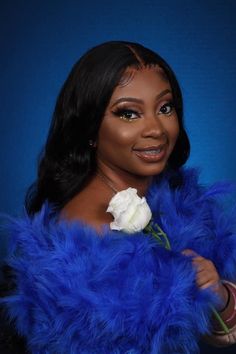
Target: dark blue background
<point>41,40</point>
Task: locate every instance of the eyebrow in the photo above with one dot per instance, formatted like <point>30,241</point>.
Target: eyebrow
<point>137,100</point>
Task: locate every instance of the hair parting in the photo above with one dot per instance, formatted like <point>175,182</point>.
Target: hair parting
<point>139,59</point>
<point>68,162</point>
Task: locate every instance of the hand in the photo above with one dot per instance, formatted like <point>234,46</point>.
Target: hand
<point>207,275</point>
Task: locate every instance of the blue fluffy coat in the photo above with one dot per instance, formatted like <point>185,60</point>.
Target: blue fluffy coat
<point>81,293</point>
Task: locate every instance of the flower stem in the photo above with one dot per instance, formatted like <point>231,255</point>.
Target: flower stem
<point>160,235</point>
<point>221,322</point>
<point>167,246</point>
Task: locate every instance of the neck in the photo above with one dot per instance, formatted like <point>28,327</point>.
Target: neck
<point>120,180</point>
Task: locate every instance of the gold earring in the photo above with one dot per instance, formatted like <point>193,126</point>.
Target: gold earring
<point>92,143</point>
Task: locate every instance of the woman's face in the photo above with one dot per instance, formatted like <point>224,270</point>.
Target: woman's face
<point>140,125</point>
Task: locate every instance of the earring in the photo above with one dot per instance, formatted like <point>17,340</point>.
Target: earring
<point>92,143</point>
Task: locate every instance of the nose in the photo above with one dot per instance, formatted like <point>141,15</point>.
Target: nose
<point>153,127</point>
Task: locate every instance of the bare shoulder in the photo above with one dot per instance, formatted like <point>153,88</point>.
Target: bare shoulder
<point>89,206</point>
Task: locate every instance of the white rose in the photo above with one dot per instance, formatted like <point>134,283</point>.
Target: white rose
<point>131,213</point>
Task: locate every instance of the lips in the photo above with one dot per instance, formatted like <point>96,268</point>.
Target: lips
<point>151,153</point>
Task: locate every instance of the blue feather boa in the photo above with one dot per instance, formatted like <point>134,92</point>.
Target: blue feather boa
<point>81,293</point>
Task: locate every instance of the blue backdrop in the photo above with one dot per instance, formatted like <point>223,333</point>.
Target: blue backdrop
<point>41,40</point>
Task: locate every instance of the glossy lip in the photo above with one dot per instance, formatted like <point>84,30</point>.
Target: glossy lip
<point>143,153</point>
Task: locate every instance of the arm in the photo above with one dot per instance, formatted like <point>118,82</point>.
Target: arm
<point>207,276</point>
<point>228,315</point>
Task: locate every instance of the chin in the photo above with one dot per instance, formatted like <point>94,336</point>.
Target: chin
<point>152,171</point>
<point>148,169</point>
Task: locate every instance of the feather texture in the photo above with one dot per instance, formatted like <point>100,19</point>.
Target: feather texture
<point>78,292</point>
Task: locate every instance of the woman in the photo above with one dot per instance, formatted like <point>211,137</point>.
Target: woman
<point>98,271</point>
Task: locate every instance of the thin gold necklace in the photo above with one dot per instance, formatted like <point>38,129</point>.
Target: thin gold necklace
<point>107,181</point>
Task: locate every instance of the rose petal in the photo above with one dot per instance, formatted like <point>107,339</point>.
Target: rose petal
<point>131,213</point>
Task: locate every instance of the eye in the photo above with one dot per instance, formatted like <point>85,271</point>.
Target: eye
<point>126,114</point>
<point>167,108</point>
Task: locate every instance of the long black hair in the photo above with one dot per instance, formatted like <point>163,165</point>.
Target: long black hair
<point>68,161</point>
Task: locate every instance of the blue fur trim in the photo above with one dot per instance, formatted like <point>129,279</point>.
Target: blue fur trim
<point>78,292</point>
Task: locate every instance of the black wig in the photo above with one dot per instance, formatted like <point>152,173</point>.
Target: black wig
<point>68,161</point>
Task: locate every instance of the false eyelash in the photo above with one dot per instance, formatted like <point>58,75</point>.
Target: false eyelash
<point>171,105</point>
<point>120,113</point>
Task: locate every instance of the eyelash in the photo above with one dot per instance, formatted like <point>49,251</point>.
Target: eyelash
<point>171,107</point>
<point>123,113</point>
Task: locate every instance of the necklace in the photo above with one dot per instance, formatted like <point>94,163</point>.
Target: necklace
<point>107,181</point>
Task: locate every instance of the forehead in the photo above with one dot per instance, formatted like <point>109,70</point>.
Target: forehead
<point>141,82</point>
<point>132,70</point>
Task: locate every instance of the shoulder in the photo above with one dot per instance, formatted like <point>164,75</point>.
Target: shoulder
<point>186,181</point>
<point>175,189</point>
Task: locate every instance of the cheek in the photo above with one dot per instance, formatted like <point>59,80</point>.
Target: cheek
<point>118,134</point>
<point>173,131</point>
